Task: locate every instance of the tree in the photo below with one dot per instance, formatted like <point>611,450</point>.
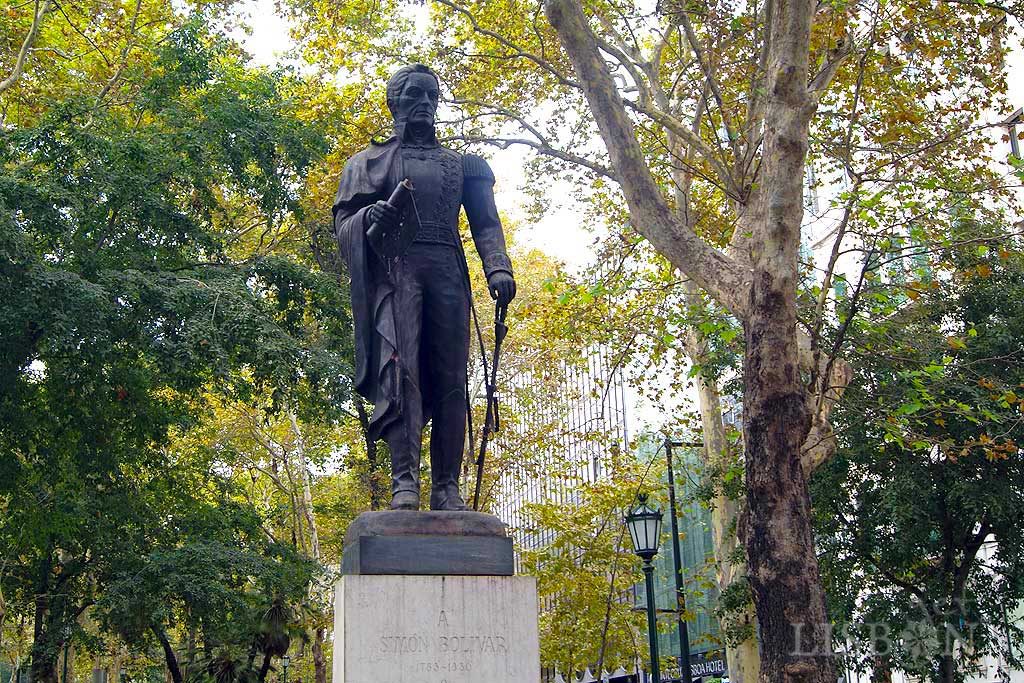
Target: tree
<point>929,472</point>
<point>582,572</point>
<point>288,471</point>
<point>209,573</point>
<point>128,293</point>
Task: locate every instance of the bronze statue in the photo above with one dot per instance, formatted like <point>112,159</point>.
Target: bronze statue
<point>410,284</point>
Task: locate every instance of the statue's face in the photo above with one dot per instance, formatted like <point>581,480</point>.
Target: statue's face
<point>418,102</point>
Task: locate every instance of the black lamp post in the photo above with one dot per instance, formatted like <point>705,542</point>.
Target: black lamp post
<point>285,663</point>
<point>644,525</point>
<point>685,673</point>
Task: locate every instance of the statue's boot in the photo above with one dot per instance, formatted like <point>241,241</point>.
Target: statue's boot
<point>405,467</point>
<point>447,438</point>
<point>446,497</point>
<point>405,500</point>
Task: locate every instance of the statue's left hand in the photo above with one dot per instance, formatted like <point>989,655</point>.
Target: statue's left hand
<point>502,287</point>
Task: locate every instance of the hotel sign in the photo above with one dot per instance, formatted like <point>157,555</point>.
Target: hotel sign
<point>702,666</point>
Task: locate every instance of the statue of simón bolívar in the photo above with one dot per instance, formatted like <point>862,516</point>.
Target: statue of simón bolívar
<point>410,287</point>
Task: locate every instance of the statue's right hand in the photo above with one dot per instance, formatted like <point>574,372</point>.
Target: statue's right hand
<point>385,215</point>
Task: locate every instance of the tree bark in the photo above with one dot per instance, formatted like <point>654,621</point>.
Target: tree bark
<point>169,656</point>
<point>782,566</point>
<point>744,658</point>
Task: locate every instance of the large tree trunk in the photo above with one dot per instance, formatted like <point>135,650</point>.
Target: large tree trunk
<point>782,566</point>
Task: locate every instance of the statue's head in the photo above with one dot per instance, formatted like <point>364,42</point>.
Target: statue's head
<point>412,93</point>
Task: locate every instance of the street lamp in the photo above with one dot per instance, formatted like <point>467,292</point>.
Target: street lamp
<point>285,663</point>
<point>644,524</point>
<point>677,558</point>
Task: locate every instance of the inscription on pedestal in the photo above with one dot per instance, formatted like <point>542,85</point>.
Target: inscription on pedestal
<point>454,629</point>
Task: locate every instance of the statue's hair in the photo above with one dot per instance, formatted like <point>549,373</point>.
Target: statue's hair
<point>397,82</point>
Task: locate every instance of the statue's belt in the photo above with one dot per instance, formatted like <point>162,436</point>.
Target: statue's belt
<point>429,232</point>
<point>434,233</point>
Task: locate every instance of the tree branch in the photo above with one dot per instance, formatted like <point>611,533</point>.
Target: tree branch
<point>669,122</point>
<point>705,66</point>
<point>516,50</point>
<point>505,143</point>
<point>26,46</point>
<point>971,548</point>
<point>124,55</point>
<point>819,84</point>
<point>650,213</point>
<point>756,95</point>
<point>82,33</point>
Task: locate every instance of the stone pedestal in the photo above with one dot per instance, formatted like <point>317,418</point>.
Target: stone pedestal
<point>429,597</point>
<point>436,629</point>
<point>419,543</point>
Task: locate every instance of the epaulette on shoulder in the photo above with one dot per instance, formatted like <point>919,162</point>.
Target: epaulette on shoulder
<point>474,166</point>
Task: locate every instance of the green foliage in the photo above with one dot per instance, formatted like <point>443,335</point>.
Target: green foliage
<point>213,573</point>
<point>144,278</point>
<point>736,598</point>
<point>921,505</point>
<point>583,570</point>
